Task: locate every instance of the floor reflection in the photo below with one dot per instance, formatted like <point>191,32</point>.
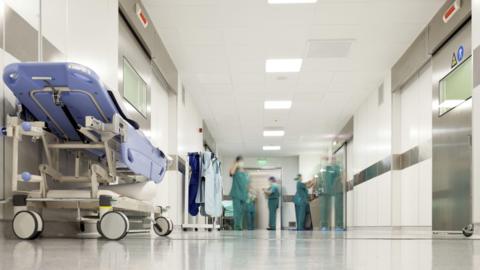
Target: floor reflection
<point>247,250</point>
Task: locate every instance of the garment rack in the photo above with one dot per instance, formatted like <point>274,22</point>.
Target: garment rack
<point>195,225</point>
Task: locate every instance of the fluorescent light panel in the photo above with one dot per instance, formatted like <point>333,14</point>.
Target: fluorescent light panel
<point>275,2</point>
<point>271,148</point>
<point>274,133</point>
<point>283,65</point>
<point>277,104</point>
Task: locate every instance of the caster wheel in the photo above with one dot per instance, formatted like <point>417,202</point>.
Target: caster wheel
<point>196,229</point>
<point>209,230</point>
<point>27,225</point>
<point>468,230</point>
<point>113,225</point>
<point>171,224</point>
<point>185,229</point>
<point>163,226</point>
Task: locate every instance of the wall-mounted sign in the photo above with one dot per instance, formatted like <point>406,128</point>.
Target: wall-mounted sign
<point>454,60</point>
<point>460,53</point>
<point>457,56</point>
<point>453,8</point>
<point>262,162</point>
<point>141,15</point>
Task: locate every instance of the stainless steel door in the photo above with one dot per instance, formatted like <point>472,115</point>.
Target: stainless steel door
<point>452,152</point>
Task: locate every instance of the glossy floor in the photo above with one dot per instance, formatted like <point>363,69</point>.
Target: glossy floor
<point>248,250</point>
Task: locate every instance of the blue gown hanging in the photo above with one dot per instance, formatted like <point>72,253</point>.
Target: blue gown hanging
<point>194,162</point>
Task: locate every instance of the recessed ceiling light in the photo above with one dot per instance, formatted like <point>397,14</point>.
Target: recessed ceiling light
<point>274,133</point>
<point>277,104</point>
<point>283,65</point>
<point>273,2</point>
<point>271,148</point>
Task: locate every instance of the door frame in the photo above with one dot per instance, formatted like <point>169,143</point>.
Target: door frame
<point>249,169</point>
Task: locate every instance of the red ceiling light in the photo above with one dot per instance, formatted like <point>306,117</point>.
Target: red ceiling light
<point>141,15</point>
<point>451,10</point>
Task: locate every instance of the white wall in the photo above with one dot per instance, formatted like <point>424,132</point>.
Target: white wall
<point>350,209</point>
<point>92,37</point>
<point>372,129</point>
<point>28,9</point>
<point>415,125</point>
<point>396,198</point>
<point>159,123</point>
<point>55,22</point>
<point>369,203</point>
<point>416,111</point>
<point>372,201</point>
<point>189,123</point>
<point>309,164</point>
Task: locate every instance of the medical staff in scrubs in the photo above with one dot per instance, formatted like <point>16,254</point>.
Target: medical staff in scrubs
<point>251,209</point>
<point>273,195</point>
<point>301,200</point>
<point>239,192</point>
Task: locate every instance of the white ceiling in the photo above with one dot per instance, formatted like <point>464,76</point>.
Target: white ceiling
<point>220,48</point>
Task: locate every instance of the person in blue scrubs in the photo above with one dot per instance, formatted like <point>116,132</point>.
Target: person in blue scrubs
<point>239,192</point>
<point>273,195</point>
<point>251,209</point>
<point>301,201</point>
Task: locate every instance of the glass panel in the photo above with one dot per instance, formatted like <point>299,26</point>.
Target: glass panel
<point>134,88</point>
<point>330,188</point>
<point>456,87</point>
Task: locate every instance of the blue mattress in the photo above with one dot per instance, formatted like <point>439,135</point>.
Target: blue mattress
<point>63,94</point>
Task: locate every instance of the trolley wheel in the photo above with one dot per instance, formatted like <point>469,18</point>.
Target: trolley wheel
<point>185,229</point>
<point>113,225</point>
<point>163,226</point>
<point>196,229</point>
<point>27,225</point>
<point>209,229</point>
<point>170,222</point>
<point>468,230</point>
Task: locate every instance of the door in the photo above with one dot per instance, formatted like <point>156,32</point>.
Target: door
<point>452,131</point>
<point>259,181</point>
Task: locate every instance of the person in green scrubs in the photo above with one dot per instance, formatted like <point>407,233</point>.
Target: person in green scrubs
<point>301,200</point>
<point>251,209</point>
<point>239,192</point>
<point>273,195</point>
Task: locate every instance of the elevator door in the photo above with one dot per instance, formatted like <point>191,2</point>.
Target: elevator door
<point>452,130</point>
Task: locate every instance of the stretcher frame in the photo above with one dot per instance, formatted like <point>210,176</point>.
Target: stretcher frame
<point>103,136</point>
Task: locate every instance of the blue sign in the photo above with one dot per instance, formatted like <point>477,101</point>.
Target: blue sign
<point>460,53</point>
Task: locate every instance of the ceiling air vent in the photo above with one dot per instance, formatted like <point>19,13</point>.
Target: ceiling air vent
<point>329,48</point>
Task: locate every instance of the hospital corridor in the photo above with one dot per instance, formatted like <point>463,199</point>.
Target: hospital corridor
<point>240,134</point>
